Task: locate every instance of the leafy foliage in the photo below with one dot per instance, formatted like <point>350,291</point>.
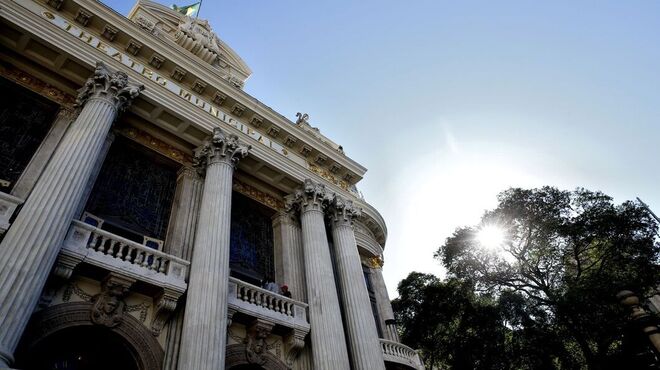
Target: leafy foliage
<point>547,298</point>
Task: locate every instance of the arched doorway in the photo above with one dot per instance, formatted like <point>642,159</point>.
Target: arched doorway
<point>63,337</point>
<point>81,348</point>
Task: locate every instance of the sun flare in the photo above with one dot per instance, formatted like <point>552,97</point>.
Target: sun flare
<point>490,236</point>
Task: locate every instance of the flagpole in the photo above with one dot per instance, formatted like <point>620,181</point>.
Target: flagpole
<point>198,9</point>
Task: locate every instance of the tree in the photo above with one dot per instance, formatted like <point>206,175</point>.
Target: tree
<point>551,283</point>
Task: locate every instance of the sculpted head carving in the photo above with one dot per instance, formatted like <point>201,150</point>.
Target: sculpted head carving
<point>112,86</point>
<point>255,341</point>
<point>108,308</point>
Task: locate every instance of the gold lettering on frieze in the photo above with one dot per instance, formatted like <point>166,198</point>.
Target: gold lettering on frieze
<point>157,145</point>
<point>325,174</point>
<point>258,195</point>
<point>34,84</point>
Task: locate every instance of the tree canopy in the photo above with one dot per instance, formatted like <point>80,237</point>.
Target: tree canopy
<point>544,297</point>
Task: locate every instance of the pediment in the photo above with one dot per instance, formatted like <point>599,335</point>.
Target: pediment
<point>194,35</point>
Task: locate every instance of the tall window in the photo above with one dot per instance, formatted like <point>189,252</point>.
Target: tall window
<point>134,191</point>
<point>251,251</point>
<point>25,119</point>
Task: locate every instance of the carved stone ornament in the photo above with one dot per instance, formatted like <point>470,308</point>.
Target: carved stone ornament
<point>255,341</point>
<point>165,305</point>
<point>108,306</point>
<point>196,36</point>
<point>311,196</point>
<point>343,211</point>
<point>295,343</point>
<point>220,148</point>
<point>113,87</point>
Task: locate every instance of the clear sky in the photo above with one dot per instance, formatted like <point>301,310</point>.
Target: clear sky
<point>447,103</point>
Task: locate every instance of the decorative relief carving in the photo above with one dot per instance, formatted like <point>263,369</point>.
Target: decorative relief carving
<point>238,109</point>
<point>109,32</point>
<point>147,25</point>
<point>219,98</point>
<point>55,4</point>
<point>72,289</point>
<point>295,343</point>
<point>220,148</point>
<point>114,87</point>
<point>325,174</point>
<point>157,145</point>
<point>258,195</point>
<point>311,196</point>
<point>157,61</point>
<point>133,47</point>
<point>83,17</point>
<point>199,86</point>
<point>109,306</point>
<point>31,83</point>
<point>290,141</point>
<point>165,305</point>
<point>343,211</point>
<point>178,74</point>
<point>257,121</point>
<point>374,262</point>
<point>142,308</point>
<point>320,159</point>
<point>273,131</point>
<point>305,150</point>
<point>255,341</point>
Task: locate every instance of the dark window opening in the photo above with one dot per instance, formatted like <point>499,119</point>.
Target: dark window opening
<point>372,299</point>
<point>134,192</point>
<point>251,244</point>
<point>25,119</point>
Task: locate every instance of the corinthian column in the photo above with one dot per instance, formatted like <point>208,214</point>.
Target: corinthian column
<point>31,245</point>
<point>205,320</point>
<point>327,332</point>
<point>363,342</point>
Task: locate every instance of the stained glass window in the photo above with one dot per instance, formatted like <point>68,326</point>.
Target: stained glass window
<point>134,191</point>
<point>251,251</point>
<point>25,119</point>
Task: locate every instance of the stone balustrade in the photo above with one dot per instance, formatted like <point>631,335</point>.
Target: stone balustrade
<point>115,253</point>
<point>264,304</point>
<point>8,204</point>
<point>401,354</point>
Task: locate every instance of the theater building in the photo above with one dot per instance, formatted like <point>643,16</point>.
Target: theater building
<point>145,198</point>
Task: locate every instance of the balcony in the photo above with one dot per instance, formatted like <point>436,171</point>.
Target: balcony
<point>401,354</point>
<point>255,302</point>
<point>99,248</point>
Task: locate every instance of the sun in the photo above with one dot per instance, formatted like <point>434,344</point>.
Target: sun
<point>490,236</point>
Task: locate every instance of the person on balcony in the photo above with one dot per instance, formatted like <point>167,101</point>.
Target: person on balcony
<point>285,291</point>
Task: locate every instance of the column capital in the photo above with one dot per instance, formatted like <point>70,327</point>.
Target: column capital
<point>220,148</point>
<point>112,87</point>
<point>311,196</point>
<point>343,211</point>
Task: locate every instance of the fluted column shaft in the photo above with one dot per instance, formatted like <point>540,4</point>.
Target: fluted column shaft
<point>31,245</point>
<point>205,320</point>
<point>384,305</point>
<point>363,342</point>
<point>289,263</point>
<point>327,332</point>
<point>179,242</point>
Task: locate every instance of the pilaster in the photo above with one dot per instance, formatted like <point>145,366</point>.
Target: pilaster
<point>289,260</point>
<point>31,245</point>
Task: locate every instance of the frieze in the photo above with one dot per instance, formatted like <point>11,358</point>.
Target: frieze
<point>159,146</point>
<point>258,195</point>
<point>32,83</point>
<point>327,175</point>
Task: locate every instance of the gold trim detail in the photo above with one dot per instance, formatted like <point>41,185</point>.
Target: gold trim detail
<point>34,84</point>
<point>159,146</point>
<point>258,195</point>
<point>325,174</point>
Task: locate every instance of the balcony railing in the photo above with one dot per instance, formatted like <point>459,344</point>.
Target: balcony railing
<point>112,252</point>
<point>261,303</point>
<point>401,354</point>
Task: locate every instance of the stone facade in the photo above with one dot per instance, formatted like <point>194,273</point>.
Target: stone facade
<point>120,222</point>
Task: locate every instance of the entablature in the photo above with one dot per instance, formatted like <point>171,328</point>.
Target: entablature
<point>199,84</point>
